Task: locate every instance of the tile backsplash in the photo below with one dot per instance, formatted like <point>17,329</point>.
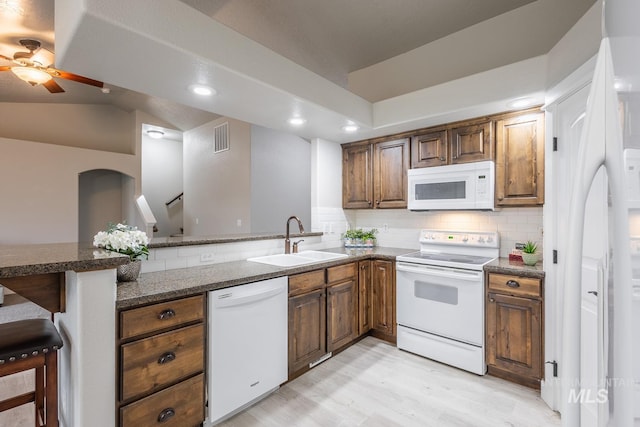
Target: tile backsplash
<point>400,228</point>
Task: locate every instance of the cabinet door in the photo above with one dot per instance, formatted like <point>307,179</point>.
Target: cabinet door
<point>357,192</point>
<point>520,160</point>
<point>364,297</point>
<point>429,149</point>
<point>342,314</point>
<point>514,335</point>
<point>383,300</point>
<point>391,162</point>
<point>471,143</point>
<point>307,329</point>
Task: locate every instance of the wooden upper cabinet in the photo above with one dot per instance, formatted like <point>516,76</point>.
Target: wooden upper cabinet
<point>391,162</point>
<point>520,160</point>
<point>471,143</point>
<point>374,175</point>
<point>429,149</point>
<point>357,165</point>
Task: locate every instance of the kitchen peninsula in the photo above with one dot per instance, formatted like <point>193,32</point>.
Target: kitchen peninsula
<point>78,285</point>
<point>83,282</point>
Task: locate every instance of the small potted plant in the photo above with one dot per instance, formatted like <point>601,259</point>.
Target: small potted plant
<point>529,253</point>
<point>359,238</point>
<point>369,238</point>
<point>127,240</point>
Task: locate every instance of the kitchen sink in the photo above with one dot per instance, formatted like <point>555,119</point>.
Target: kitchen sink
<point>292,260</point>
<point>321,256</point>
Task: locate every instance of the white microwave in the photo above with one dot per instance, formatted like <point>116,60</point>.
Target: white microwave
<point>464,186</point>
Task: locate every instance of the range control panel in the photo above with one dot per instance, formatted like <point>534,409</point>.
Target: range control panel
<point>460,238</point>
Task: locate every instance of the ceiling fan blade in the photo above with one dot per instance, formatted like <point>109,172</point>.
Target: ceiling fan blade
<point>5,68</point>
<point>53,87</point>
<point>77,78</point>
<point>6,58</point>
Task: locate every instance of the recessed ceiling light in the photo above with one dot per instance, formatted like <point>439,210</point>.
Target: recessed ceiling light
<point>520,103</point>
<point>155,134</point>
<point>297,121</point>
<point>350,127</point>
<point>202,90</point>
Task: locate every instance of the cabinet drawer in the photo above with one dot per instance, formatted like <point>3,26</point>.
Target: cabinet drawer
<point>305,282</point>
<point>179,406</point>
<point>154,362</point>
<point>515,285</point>
<point>139,321</point>
<point>342,272</point>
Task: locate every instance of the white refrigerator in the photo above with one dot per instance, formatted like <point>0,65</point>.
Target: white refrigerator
<point>599,359</point>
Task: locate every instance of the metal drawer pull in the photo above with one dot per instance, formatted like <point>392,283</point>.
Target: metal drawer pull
<point>513,284</point>
<point>166,414</point>
<point>166,314</point>
<point>166,358</point>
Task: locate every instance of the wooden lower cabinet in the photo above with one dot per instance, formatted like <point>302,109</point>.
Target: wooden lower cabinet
<point>329,309</point>
<point>307,329</point>
<point>364,297</point>
<point>514,347</point>
<point>161,363</point>
<point>342,305</point>
<point>179,406</point>
<point>383,299</point>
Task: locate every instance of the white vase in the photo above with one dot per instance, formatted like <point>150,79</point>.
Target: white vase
<point>129,272</point>
<point>530,259</point>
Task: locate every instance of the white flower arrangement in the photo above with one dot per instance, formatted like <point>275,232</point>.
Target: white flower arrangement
<point>124,239</point>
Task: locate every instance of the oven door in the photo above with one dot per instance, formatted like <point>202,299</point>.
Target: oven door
<point>448,302</point>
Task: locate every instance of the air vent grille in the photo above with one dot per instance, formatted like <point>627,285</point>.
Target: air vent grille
<point>221,138</point>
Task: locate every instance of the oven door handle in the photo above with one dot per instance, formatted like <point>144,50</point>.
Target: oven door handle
<point>450,273</point>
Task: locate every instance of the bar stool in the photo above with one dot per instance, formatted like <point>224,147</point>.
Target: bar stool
<point>32,344</point>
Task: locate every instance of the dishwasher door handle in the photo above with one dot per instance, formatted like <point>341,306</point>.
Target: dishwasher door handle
<point>229,300</point>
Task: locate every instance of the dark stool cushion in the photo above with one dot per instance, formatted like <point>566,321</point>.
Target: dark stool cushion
<point>26,338</point>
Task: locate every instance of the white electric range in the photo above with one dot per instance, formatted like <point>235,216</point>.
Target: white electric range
<point>440,297</point>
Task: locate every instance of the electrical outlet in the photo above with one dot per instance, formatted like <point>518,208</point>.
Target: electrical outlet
<point>385,228</point>
<point>208,257</point>
<point>239,223</point>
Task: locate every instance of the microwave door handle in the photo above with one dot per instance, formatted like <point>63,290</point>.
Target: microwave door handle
<point>440,272</point>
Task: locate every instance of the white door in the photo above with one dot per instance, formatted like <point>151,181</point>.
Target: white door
<point>569,120</point>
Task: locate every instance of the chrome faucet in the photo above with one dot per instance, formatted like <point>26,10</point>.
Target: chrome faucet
<point>287,242</point>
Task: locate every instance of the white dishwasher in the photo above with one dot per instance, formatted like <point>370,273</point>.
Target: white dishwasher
<point>247,357</point>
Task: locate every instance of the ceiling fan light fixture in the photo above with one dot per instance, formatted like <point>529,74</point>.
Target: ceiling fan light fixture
<point>33,76</point>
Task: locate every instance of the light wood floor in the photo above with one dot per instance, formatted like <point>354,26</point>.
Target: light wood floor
<point>375,384</point>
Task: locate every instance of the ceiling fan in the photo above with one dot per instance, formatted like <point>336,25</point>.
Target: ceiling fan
<point>34,68</point>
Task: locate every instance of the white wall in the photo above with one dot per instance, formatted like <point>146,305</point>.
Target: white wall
<point>98,127</point>
<point>280,180</point>
<point>100,202</point>
<point>327,214</point>
<point>40,190</point>
<point>217,186</point>
<point>162,176</point>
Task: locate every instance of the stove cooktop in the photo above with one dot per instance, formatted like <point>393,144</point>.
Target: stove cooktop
<point>459,249</point>
<point>473,262</point>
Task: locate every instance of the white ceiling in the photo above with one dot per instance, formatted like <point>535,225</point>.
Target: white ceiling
<point>335,37</point>
<point>161,49</point>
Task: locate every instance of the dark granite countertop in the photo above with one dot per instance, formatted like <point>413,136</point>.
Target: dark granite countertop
<point>166,242</point>
<point>27,260</point>
<point>163,285</point>
<point>504,266</point>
